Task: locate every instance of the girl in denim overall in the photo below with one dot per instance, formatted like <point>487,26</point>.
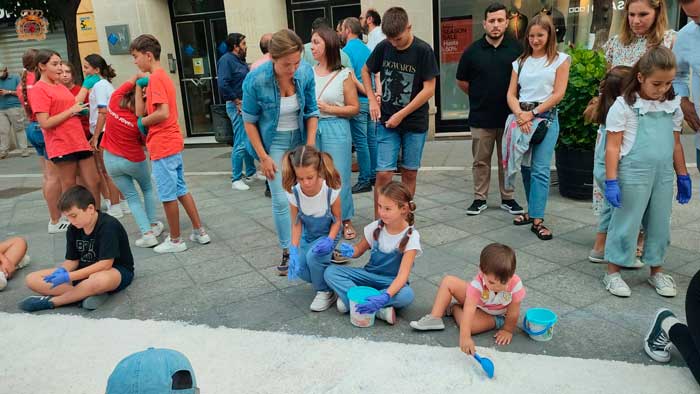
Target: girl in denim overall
<point>313,188</point>
<point>642,151</point>
<point>394,246</point>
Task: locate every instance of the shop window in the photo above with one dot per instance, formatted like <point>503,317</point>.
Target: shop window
<point>188,7</point>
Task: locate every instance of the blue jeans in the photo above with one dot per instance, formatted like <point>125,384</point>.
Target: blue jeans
<point>239,154</point>
<point>536,177</point>
<point>360,124</point>
<point>124,172</point>
<point>342,278</point>
<point>282,142</point>
<point>391,141</point>
<point>312,266</point>
<point>333,137</point>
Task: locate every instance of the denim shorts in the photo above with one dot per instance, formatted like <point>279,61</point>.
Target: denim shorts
<point>391,141</point>
<point>500,321</point>
<point>126,274</point>
<point>169,176</point>
<point>36,138</point>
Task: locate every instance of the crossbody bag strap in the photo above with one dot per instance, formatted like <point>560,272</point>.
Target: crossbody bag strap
<point>318,97</point>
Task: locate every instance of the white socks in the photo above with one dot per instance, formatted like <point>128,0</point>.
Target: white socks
<point>668,322</point>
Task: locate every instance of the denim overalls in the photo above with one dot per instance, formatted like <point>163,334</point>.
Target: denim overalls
<point>312,265</point>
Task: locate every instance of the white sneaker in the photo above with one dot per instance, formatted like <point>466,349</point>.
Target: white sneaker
<point>638,263</point>
<point>169,246</point>
<point>125,207</point>
<point>428,323</point>
<point>616,285</point>
<point>342,308</point>
<point>239,185</point>
<point>387,314</point>
<point>258,176</point>
<point>157,229</point>
<point>115,211</point>
<point>24,262</point>
<point>58,227</point>
<point>146,241</point>
<point>200,236</point>
<point>3,281</point>
<point>322,301</point>
<point>663,283</point>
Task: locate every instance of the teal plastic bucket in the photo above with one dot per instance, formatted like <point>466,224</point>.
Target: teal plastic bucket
<point>357,295</point>
<point>539,324</point>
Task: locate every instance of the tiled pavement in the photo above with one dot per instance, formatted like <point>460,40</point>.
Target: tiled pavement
<point>232,281</point>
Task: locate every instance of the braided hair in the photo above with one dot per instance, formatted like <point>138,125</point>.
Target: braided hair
<point>29,64</point>
<point>400,194</point>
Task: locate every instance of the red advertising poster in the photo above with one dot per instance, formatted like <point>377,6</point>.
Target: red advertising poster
<point>455,37</point>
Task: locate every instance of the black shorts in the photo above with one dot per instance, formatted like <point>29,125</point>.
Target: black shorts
<point>126,274</point>
<point>75,156</point>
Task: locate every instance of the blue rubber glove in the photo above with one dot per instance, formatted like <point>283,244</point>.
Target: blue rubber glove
<point>293,269</point>
<point>347,250</point>
<point>142,82</point>
<point>612,192</point>
<point>685,189</point>
<point>373,303</point>
<point>324,246</point>
<point>90,81</point>
<point>143,129</point>
<point>58,277</point>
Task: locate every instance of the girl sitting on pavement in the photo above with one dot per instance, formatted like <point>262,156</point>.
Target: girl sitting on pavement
<point>394,246</point>
<point>491,300</point>
<point>313,187</point>
<point>13,256</point>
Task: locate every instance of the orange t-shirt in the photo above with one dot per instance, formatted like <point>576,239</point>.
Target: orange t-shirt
<point>164,139</point>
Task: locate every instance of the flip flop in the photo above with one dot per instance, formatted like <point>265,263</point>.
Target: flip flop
<point>348,231</point>
<point>522,220</point>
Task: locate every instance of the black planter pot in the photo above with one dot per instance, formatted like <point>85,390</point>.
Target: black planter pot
<point>223,131</point>
<point>575,173</point>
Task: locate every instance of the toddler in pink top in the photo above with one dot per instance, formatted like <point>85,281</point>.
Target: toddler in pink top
<point>491,300</point>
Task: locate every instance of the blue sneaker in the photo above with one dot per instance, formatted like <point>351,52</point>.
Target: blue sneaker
<point>36,303</point>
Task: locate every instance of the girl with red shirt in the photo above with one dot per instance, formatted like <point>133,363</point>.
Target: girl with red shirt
<point>126,162</point>
<point>68,80</point>
<point>55,109</point>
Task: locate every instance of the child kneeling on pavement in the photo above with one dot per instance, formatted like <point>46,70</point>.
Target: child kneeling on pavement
<point>98,258</point>
<point>491,300</point>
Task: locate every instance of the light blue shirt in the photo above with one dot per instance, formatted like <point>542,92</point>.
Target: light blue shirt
<point>309,57</point>
<point>358,53</point>
<point>9,100</point>
<point>687,51</point>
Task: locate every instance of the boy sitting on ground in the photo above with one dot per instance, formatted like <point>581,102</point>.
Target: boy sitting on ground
<point>98,258</point>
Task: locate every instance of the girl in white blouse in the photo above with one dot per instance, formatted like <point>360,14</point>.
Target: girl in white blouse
<point>537,85</point>
<point>337,100</point>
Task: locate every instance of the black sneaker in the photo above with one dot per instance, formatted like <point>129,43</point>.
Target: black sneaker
<point>283,267</point>
<point>267,190</point>
<point>477,207</point>
<point>363,187</point>
<point>657,344</point>
<point>512,207</point>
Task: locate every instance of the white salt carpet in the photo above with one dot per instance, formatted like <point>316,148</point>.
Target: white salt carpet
<point>66,354</point>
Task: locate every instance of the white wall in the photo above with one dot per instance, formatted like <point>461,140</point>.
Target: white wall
<point>253,18</point>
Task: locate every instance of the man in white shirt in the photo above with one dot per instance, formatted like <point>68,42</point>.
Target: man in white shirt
<point>371,23</point>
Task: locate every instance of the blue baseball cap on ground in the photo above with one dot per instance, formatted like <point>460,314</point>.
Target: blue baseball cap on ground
<point>153,371</point>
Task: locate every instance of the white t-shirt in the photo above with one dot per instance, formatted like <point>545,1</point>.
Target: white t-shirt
<point>314,205</point>
<point>537,77</point>
<point>289,113</point>
<point>375,37</point>
<point>99,98</point>
<point>333,93</point>
<point>621,117</point>
<point>389,242</point>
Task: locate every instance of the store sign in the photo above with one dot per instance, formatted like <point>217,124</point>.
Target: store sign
<point>455,37</point>
<point>31,25</point>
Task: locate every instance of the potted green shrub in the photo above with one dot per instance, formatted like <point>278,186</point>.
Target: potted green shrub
<point>574,152</point>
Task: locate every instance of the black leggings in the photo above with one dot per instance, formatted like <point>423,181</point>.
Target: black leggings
<point>687,338</point>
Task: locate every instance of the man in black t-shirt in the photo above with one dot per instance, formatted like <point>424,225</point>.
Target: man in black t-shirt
<point>484,73</point>
<point>98,258</point>
<point>407,68</point>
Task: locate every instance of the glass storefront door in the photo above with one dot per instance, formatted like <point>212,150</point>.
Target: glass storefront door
<point>301,13</point>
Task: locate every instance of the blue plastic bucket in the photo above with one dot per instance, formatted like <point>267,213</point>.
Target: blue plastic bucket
<point>539,323</point>
<point>357,295</point>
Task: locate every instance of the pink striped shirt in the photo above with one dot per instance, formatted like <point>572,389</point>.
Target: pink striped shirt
<point>491,302</point>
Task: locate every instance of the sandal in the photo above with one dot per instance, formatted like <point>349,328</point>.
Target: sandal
<point>349,231</point>
<point>522,220</point>
<point>539,230</point>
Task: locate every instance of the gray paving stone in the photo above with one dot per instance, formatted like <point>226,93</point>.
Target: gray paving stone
<point>177,305</point>
<point>247,241</point>
<point>513,236</point>
<point>440,234</point>
<point>259,312</point>
<point>635,313</point>
<point>572,287</point>
<point>530,266</point>
<point>153,285</point>
<point>201,253</point>
<point>263,258</point>
<point>155,265</point>
<point>434,261</point>
<point>558,251</point>
<point>213,270</point>
<point>584,236</point>
<point>441,213</point>
<point>236,288</point>
<point>468,248</point>
<point>476,224</point>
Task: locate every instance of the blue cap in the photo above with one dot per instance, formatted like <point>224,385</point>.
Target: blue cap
<point>153,371</point>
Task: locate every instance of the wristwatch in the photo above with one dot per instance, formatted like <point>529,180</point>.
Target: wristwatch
<point>535,112</point>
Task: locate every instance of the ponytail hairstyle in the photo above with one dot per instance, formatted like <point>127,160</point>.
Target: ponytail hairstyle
<point>656,58</point>
<point>29,64</point>
<point>97,61</point>
<point>400,194</point>
<point>611,87</point>
<point>308,156</point>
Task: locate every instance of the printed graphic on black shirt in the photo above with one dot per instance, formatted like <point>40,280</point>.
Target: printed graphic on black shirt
<point>397,88</point>
<point>87,250</point>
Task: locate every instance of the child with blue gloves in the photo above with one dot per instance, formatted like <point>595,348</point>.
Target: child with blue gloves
<point>394,246</point>
<point>313,188</point>
<point>642,151</point>
<point>98,258</point>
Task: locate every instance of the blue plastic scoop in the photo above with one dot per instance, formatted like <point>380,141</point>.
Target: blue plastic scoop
<point>486,364</point>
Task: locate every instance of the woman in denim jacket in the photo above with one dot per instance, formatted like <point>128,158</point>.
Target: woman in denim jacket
<point>280,113</point>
